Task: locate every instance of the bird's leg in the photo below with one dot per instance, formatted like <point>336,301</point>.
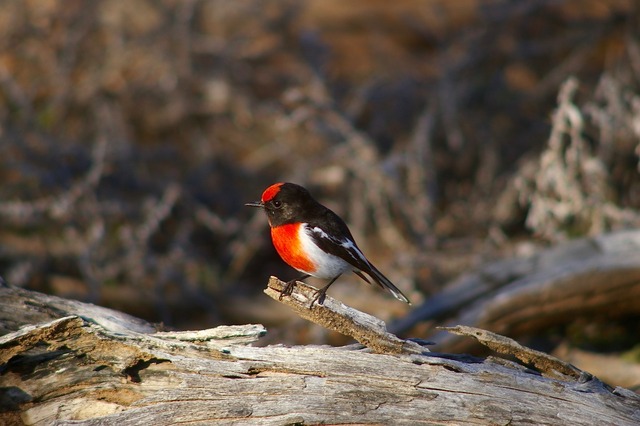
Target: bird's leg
<point>322,293</point>
<point>288,286</point>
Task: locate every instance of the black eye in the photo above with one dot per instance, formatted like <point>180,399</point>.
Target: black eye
<point>277,204</point>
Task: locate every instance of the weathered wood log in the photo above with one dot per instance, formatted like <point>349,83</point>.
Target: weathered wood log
<point>525,296</point>
<point>84,368</point>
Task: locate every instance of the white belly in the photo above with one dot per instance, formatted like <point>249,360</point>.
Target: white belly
<point>327,265</point>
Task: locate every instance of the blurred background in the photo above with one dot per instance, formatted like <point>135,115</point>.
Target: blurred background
<point>448,134</point>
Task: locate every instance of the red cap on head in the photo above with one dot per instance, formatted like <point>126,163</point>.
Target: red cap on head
<point>271,191</point>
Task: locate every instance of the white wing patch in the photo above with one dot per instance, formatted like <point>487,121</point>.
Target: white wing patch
<point>348,245</point>
<point>351,248</point>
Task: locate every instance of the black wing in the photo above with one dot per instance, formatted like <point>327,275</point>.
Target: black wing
<point>332,235</point>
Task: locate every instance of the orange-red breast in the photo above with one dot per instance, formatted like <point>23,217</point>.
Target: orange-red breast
<point>314,240</point>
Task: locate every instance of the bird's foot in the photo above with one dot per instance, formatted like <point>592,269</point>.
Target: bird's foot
<point>288,286</point>
<point>287,289</point>
<point>319,297</point>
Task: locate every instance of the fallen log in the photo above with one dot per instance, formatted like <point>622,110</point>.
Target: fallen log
<point>80,366</point>
<point>526,296</point>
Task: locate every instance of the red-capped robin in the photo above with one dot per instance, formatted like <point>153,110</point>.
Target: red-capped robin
<point>314,240</point>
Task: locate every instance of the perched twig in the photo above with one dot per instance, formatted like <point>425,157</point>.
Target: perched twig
<point>336,316</point>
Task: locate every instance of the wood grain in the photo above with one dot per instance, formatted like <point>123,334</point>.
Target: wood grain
<point>78,370</point>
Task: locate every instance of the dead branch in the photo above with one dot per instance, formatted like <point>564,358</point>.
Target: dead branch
<point>546,364</point>
<point>524,296</point>
<point>334,315</point>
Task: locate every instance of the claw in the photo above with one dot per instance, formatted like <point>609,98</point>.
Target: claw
<point>287,289</point>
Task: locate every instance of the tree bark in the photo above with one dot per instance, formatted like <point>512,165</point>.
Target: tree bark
<point>87,365</point>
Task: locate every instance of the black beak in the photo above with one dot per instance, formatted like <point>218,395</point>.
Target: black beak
<point>255,204</point>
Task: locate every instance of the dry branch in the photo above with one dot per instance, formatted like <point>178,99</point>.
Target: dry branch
<point>523,296</point>
<point>80,370</point>
<point>334,315</point>
<point>546,364</point>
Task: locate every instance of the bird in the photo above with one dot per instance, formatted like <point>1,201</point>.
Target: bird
<point>314,240</point>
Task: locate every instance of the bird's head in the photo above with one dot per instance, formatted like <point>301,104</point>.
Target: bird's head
<point>283,203</point>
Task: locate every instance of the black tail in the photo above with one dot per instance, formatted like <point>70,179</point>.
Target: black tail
<point>383,282</point>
